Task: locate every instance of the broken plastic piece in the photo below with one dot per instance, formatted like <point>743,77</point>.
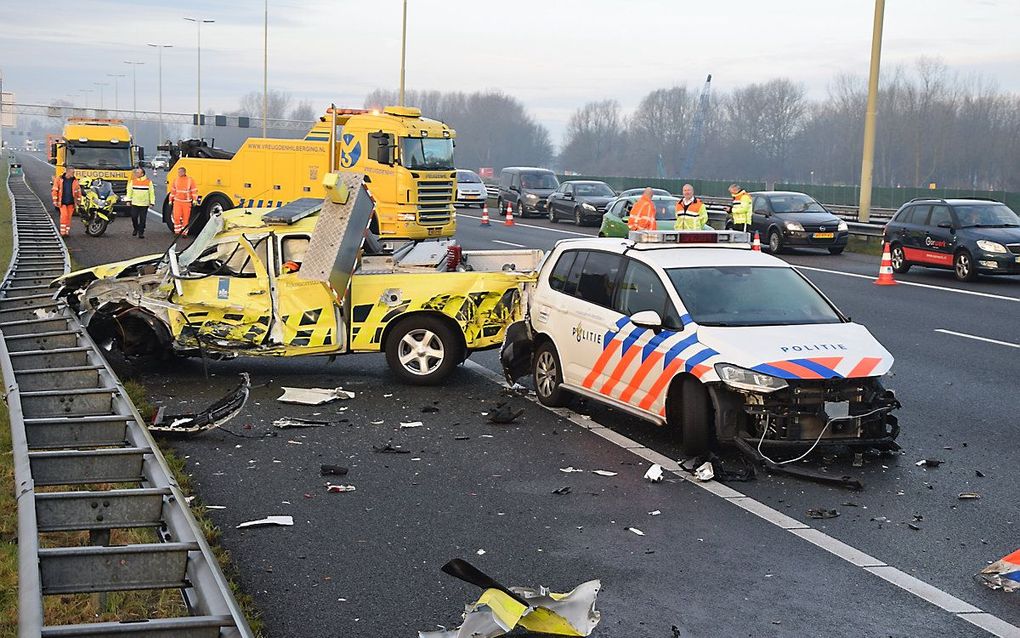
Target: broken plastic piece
<point>968,496</point>
<point>212,417</point>
<point>294,422</point>
<point>654,513</point>
<point>822,513</point>
<point>562,490</point>
<point>332,470</point>
<point>269,520</point>
<point>313,396</point>
<point>411,424</point>
<point>635,530</point>
<point>504,413</point>
<point>1003,574</point>
<point>704,472</point>
<point>569,469</point>
<point>654,473</point>
<point>603,472</point>
<point>340,488</point>
<point>389,448</point>
<point>929,463</point>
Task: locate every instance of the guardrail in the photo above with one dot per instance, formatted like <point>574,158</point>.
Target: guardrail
<point>74,428</point>
<point>846,213</point>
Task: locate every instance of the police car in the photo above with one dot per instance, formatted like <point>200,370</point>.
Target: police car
<point>695,331</point>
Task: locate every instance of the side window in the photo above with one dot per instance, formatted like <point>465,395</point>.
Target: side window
<point>558,276</point>
<point>292,252</point>
<point>905,215</point>
<point>759,205</point>
<point>516,181</point>
<point>640,289</point>
<point>598,279</point>
<point>230,259</point>
<point>920,216</point>
<point>574,276</point>
<point>617,208</point>
<point>504,180</point>
<point>568,188</point>
<point>940,215</point>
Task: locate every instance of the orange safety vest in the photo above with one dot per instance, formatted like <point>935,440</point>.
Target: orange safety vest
<point>642,216</point>
<point>692,216</point>
<point>140,192</point>
<point>58,190</point>
<point>183,189</point>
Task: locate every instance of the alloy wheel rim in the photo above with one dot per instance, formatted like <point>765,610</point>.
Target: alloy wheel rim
<point>962,265</point>
<point>897,257</point>
<point>774,242</point>
<point>545,374</point>
<point>421,352</point>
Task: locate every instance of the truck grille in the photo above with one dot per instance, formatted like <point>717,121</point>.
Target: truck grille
<point>435,201</point>
<point>119,188</point>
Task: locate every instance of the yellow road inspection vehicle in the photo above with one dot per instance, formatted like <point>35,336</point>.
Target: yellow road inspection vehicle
<point>306,279</point>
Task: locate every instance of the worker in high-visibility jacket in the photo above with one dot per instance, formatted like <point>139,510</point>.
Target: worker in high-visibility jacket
<point>141,195</point>
<point>183,193</point>
<point>642,215</point>
<point>66,194</point>
<point>691,213</point>
<point>740,209</point>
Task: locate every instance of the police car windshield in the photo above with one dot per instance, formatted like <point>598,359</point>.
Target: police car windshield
<point>795,204</point>
<point>750,296</point>
<point>426,153</point>
<point>986,216</point>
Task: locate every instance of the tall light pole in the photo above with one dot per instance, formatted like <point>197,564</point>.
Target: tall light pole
<point>265,67</point>
<point>198,116</point>
<point>134,90</point>
<point>868,158</point>
<point>159,48</point>
<point>85,94</point>
<point>403,53</point>
<point>101,85</point>
<point>116,88</point>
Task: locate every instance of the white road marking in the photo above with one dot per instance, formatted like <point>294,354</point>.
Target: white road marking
<point>977,338</point>
<point>910,283</point>
<point>925,591</point>
<point>507,243</point>
<point>517,223</point>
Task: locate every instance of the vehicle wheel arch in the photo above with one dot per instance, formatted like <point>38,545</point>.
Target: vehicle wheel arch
<point>674,409</point>
<point>419,314</point>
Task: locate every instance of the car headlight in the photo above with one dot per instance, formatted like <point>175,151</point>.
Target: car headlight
<point>794,226</point>
<point>842,226</point>
<point>991,246</point>
<point>531,197</point>
<point>588,206</point>
<point>743,379</point>
<point>406,217</point>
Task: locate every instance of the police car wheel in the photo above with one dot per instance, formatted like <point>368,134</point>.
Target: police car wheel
<point>899,260</point>
<point>548,376</point>
<point>694,415</point>
<point>423,350</point>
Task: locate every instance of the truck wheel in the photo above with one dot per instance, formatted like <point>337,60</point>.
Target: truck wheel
<point>691,419</point>
<point>423,350</point>
<point>168,214</point>
<point>548,376</point>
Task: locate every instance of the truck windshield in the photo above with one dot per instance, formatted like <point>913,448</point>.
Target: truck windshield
<point>426,153</point>
<point>750,296</point>
<point>111,157</point>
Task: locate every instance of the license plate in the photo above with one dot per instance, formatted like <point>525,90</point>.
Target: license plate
<point>473,196</point>
<point>824,235</point>
<point>435,231</point>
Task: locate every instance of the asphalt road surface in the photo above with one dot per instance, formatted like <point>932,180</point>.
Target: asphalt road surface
<point>367,563</point>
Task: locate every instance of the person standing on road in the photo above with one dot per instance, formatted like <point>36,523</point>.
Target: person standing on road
<point>691,213</point>
<point>642,216</point>
<point>740,208</point>
<point>183,193</point>
<point>66,195</point>
<point>141,195</point>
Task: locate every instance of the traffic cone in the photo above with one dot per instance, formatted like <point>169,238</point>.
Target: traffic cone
<point>756,244</point>
<point>509,214</point>
<point>885,276</point>
<point>485,214</point>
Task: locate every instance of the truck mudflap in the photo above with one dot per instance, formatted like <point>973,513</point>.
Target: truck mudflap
<point>517,351</point>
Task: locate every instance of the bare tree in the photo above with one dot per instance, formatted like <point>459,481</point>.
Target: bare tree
<point>278,103</point>
<point>304,112</point>
<point>593,138</point>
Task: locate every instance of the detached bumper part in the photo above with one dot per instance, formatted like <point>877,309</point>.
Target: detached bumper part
<point>212,417</point>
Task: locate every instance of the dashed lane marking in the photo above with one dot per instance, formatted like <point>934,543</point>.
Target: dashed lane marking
<point>507,243</point>
<point>911,283</point>
<point>925,591</point>
<point>977,338</point>
<point>525,225</point>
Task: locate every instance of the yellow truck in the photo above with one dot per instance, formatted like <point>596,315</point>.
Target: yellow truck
<point>97,148</point>
<point>304,280</point>
<point>407,160</point>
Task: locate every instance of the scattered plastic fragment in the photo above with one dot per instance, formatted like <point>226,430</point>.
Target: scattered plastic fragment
<point>880,519</point>
<point>500,609</point>
<point>215,507</point>
<point>332,470</point>
<point>822,513</point>
<point>462,438</point>
<point>504,413</point>
<point>929,463</point>
<point>1003,574</point>
<point>285,521</point>
<point>212,417</point>
<point>336,489</point>
<point>654,473</point>
<point>603,472</point>
<point>569,469</point>
<point>968,496</point>
<point>429,409</point>
<point>979,474</point>
<point>914,526</point>
<point>389,448</point>
<point>294,422</point>
<point>654,513</point>
<point>858,459</point>
<point>635,530</point>
<point>411,424</point>
<point>704,472</point>
<point>562,490</point>
<point>480,552</point>
<point>379,422</point>
<point>313,396</point>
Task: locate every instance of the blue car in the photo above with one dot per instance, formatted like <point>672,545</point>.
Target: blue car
<point>970,236</point>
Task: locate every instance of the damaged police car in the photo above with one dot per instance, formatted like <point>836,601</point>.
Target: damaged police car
<point>695,331</point>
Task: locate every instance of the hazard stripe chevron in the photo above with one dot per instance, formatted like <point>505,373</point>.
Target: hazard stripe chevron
<point>819,368</point>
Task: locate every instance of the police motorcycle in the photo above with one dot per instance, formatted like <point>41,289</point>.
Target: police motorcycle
<point>96,208</point>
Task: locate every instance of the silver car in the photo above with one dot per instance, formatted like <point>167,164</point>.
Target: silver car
<point>470,188</point>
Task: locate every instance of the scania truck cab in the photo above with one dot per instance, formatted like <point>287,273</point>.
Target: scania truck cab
<point>97,148</point>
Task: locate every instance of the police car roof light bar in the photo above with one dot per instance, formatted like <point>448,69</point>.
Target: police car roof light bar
<point>728,237</point>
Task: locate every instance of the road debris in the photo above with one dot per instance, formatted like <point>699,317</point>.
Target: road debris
<point>480,552</point>
<point>332,470</point>
<point>968,496</point>
<point>504,413</point>
<point>339,489</point>
<point>500,609</point>
<point>819,513</point>
<point>654,513</point>
<point>634,530</point>
<point>929,463</point>
<point>562,490</point>
<point>313,396</point>
<point>411,424</point>
<point>294,422</point>
<point>704,472</point>
<point>979,474</point>
<point>603,472</point>
<point>285,521</point>
<point>389,448</point>
<point>1003,574</point>
<point>569,469</point>
<point>654,473</point>
<point>858,459</point>
<point>212,417</point>
<point>429,409</point>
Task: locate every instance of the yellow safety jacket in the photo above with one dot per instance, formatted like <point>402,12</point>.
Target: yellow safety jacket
<point>741,208</point>
<point>140,192</point>
<point>693,216</point>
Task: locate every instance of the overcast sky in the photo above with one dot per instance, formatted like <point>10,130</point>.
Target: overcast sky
<point>552,54</point>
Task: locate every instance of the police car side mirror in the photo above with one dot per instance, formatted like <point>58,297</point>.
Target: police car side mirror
<point>647,319</point>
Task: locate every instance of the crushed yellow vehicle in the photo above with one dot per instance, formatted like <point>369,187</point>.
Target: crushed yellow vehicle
<point>307,279</point>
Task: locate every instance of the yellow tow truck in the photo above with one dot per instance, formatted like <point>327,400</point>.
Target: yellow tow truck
<point>306,279</point>
<point>407,160</point>
<point>96,148</point>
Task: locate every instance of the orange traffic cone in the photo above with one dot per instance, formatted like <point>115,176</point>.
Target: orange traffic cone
<point>509,214</point>
<point>485,214</point>
<point>885,276</point>
<point>756,244</point>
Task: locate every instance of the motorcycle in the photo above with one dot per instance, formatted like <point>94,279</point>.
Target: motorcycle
<point>96,209</point>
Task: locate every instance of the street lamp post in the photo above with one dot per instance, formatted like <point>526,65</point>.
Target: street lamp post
<point>159,48</point>
<point>868,155</point>
<point>198,115</point>
<point>85,94</point>
<point>101,85</point>
<point>134,90</point>
<point>116,88</point>
<point>403,53</point>
<point>265,67</point>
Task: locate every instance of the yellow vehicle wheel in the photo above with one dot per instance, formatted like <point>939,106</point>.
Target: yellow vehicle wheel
<point>423,350</point>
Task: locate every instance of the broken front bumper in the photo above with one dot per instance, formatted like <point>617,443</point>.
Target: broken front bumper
<point>843,412</point>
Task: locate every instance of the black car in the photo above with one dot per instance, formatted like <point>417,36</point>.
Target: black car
<point>784,219</point>
<point>526,188</point>
<point>971,236</point>
<point>583,201</point>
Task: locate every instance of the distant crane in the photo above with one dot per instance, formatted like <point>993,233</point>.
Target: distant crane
<point>697,131</point>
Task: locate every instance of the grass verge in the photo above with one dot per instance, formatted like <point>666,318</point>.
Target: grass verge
<point>865,245</point>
